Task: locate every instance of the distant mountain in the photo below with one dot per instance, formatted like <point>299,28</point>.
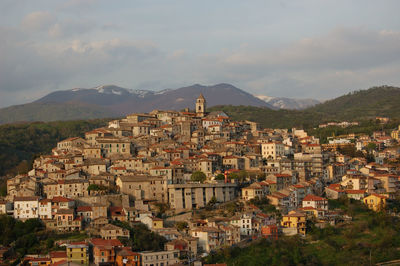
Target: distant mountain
<point>114,101</point>
<point>288,103</point>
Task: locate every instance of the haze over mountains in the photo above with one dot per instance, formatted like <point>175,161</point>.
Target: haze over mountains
<point>288,103</point>
<point>112,101</point>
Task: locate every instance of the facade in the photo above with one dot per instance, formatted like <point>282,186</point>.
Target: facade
<point>26,207</point>
<point>375,202</point>
<point>111,231</point>
<point>195,195</point>
<point>272,150</point>
<point>295,222</point>
<point>126,257</point>
<point>78,253</point>
<point>315,202</point>
<point>159,257</point>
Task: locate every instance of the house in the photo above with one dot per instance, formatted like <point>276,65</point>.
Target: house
<point>231,233</point>
<point>5,207</point>
<point>355,194</point>
<point>153,222</point>
<point>78,252</point>
<point>36,260</point>
<point>255,190</point>
<point>334,191</point>
<point>126,257</point>
<point>272,150</point>
<point>67,221</point>
<point>45,209</point>
<point>71,143</point>
<point>168,257</point>
<point>99,222</point>
<point>111,231</point>
<point>104,250</point>
<point>61,203</point>
<point>117,213</point>
<point>294,223</point>
<point>57,256</point>
<point>196,195</point>
<point>375,202</point>
<point>315,202</point>
<point>143,187</point>
<point>270,232</point>
<point>209,237</point>
<point>26,207</point>
<point>86,213</point>
<point>187,246</point>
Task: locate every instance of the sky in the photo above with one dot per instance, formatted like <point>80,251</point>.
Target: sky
<point>295,48</point>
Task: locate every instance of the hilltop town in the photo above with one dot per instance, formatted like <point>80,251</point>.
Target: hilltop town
<point>192,182</point>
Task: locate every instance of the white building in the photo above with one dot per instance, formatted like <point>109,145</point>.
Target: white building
<point>26,207</point>
<point>272,150</point>
<point>45,209</point>
<point>315,202</point>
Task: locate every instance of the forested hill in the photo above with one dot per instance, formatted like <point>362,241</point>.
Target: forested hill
<point>356,106</point>
<point>363,104</point>
<point>19,143</point>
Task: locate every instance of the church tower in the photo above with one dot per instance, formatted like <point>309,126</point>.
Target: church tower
<point>200,105</point>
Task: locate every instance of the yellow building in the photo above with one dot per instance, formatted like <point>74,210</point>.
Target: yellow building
<point>295,220</point>
<point>395,134</point>
<point>78,252</point>
<point>375,202</point>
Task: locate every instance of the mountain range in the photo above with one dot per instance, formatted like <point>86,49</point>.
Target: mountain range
<point>112,101</point>
<point>288,103</point>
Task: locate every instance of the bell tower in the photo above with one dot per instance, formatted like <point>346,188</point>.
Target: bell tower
<point>200,105</point>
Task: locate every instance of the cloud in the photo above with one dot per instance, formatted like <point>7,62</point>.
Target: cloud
<point>321,67</point>
<point>38,21</point>
<point>28,66</point>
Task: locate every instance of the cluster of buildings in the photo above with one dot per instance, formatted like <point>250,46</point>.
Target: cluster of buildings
<point>126,170</point>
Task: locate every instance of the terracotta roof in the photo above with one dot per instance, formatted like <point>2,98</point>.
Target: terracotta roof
<point>84,209</point>
<point>106,242</point>
<point>354,191</point>
<point>34,198</point>
<point>313,198</point>
<point>61,199</point>
<point>58,254</point>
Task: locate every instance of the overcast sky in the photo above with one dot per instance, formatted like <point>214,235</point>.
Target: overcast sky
<point>295,48</point>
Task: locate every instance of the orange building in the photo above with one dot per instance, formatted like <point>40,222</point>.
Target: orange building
<point>270,232</point>
<point>104,250</point>
<point>127,257</point>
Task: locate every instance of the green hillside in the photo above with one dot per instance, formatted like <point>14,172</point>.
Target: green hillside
<point>19,143</point>
<point>356,106</point>
<point>364,104</point>
<point>50,112</point>
<point>270,118</point>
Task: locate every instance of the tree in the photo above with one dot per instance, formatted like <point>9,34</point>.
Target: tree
<point>211,204</point>
<point>181,225</point>
<point>198,176</point>
<point>219,177</point>
<point>371,146</point>
<point>161,209</point>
